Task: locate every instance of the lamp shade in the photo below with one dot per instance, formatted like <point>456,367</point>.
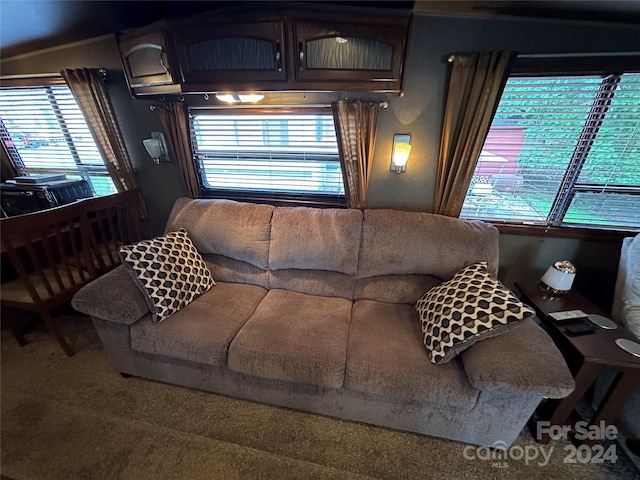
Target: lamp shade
<point>153,147</point>
<point>401,154</point>
<point>559,277</point>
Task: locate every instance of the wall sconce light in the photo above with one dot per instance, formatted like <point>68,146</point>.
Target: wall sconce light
<point>400,153</point>
<point>559,277</point>
<point>156,147</point>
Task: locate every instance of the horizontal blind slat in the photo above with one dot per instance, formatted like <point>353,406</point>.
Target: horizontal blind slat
<point>536,130</point>
<point>47,133</point>
<point>269,152</point>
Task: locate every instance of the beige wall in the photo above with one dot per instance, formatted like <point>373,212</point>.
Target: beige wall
<point>418,112</point>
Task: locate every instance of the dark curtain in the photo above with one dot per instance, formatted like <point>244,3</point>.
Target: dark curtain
<point>174,121</point>
<point>356,130</point>
<point>87,86</point>
<point>475,86</point>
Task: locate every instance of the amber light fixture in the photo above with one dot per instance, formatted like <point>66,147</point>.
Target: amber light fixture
<point>400,153</point>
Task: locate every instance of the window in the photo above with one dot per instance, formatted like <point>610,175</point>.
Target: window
<point>286,154</point>
<point>562,151</point>
<point>44,131</point>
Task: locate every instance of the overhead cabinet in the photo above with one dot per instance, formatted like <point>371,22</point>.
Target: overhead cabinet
<point>348,53</point>
<point>227,54</point>
<point>145,59</point>
<point>282,52</point>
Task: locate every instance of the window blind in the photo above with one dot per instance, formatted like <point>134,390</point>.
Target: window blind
<point>562,151</point>
<point>271,152</point>
<point>45,132</point>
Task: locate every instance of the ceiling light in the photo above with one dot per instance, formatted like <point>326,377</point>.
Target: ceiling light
<point>239,97</point>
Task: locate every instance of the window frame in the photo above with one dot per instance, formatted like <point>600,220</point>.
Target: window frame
<point>269,197</point>
<point>612,66</point>
<point>47,81</point>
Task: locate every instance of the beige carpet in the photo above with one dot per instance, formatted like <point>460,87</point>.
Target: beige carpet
<point>76,418</point>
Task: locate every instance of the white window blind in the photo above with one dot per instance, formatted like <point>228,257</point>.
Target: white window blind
<point>562,151</point>
<point>45,132</point>
<point>288,152</point>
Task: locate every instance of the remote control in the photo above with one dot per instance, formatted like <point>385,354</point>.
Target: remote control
<point>579,329</point>
<point>567,315</point>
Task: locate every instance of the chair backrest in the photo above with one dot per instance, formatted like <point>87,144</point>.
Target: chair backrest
<point>46,248</point>
<point>55,252</point>
<point>113,221</point>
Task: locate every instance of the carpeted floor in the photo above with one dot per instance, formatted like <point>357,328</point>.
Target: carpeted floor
<point>76,418</point>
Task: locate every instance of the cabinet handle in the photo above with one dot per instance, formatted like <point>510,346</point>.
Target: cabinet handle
<point>278,57</point>
<point>163,54</point>
<point>301,55</point>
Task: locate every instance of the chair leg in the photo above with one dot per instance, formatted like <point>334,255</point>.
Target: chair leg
<point>14,327</point>
<point>52,326</point>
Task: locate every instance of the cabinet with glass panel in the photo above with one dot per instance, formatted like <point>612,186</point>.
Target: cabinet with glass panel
<point>229,55</point>
<point>354,56</point>
<point>270,51</point>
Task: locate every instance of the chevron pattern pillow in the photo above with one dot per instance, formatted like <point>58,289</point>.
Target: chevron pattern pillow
<point>168,270</point>
<point>470,307</point>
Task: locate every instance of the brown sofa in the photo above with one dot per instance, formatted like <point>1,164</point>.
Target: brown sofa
<point>314,310</point>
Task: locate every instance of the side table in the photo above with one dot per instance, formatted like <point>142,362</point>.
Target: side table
<point>587,356</point>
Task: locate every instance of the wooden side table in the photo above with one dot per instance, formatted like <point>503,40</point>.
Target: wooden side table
<point>587,356</point>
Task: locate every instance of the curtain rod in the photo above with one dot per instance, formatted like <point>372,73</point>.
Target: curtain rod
<point>383,104</point>
<point>24,76</point>
<point>34,75</point>
<point>451,57</point>
<point>574,55</point>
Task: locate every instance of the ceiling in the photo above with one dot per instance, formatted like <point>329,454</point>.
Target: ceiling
<point>616,11</point>
<point>28,25</point>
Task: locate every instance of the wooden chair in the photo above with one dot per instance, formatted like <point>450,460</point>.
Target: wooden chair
<point>113,221</point>
<point>56,252</point>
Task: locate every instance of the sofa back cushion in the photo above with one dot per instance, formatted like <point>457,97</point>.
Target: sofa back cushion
<point>227,269</point>
<point>240,231</point>
<point>313,282</point>
<point>413,243</point>
<point>315,239</point>
<point>394,288</point>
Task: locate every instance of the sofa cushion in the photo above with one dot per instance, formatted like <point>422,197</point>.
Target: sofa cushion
<point>200,332</point>
<point>313,282</point>
<point>394,288</point>
<point>507,363</point>
<point>409,243</point>
<point>315,239</point>
<point>386,357</point>
<point>227,269</point>
<point>168,270</point>
<point>294,337</point>
<point>223,227</point>
<point>468,308</point>
<point>112,297</point>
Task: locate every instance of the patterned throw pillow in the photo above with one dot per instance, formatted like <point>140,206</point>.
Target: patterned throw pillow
<point>468,308</point>
<point>168,270</point>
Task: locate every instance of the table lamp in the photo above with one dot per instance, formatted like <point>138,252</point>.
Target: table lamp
<point>559,277</point>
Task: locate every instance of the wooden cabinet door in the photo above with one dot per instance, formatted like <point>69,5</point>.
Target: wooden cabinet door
<point>350,54</point>
<point>145,59</point>
<point>231,55</point>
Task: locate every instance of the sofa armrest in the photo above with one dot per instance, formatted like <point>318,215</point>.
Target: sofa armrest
<point>522,360</point>
<point>113,297</point>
